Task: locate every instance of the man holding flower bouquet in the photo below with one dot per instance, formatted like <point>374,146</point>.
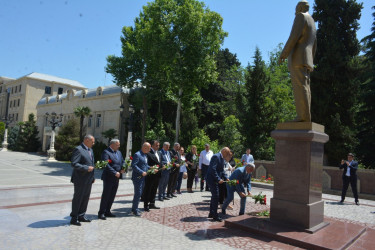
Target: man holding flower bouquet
<point>152,180</point>
<point>140,167</point>
<point>242,176</point>
<point>110,176</point>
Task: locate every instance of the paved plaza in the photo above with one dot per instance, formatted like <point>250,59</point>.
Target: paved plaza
<point>35,202</point>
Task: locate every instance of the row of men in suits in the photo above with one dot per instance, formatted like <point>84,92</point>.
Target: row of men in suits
<point>82,161</point>
<point>165,179</point>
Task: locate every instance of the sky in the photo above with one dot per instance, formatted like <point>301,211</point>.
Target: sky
<point>72,38</point>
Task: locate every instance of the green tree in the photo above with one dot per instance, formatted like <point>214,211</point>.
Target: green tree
<point>201,139</point>
<point>171,50</point>
<point>13,137</point>
<point>110,134</point>
<point>81,113</point>
<point>334,81</point>
<point>2,131</point>
<point>366,115</point>
<point>230,135</point>
<point>67,139</point>
<point>28,137</point>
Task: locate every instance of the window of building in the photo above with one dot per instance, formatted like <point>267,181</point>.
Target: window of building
<point>12,90</point>
<point>60,91</point>
<point>19,89</point>
<point>1,88</point>
<point>10,104</point>
<point>47,90</point>
<point>98,120</point>
<point>46,122</point>
<point>15,89</point>
<point>17,117</point>
<point>18,102</point>
<point>89,122</point>
<point>100,92</point>
<point>14,103</point>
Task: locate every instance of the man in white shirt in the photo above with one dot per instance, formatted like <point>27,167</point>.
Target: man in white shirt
<point>204,162</point>
<point>247,158</point>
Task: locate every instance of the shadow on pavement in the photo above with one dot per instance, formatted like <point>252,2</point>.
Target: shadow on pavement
<point>193,219</point>
<point>335,203</point>
<point>49,223</point>
<point>64,169</point>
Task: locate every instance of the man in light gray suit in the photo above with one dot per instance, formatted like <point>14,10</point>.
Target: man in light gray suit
<point>82,178</point>
<point>300,50</point>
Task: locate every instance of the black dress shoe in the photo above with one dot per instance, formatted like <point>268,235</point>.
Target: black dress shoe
<point>210,215</point>
<point>152,206</point>
<point>240,214</point>
<point>341,201</point>
<point>74,221</point>
<point>218,218</point>
<point>169,196</point>
<point>109,215</point>
<point>102,216</point>
<point>357,203</point>
<point>83,219</point>
<point>147,209</point>
<point>166,198</point>
<point>160,199</point>
<point>174,195</point>
<point>223,212</point>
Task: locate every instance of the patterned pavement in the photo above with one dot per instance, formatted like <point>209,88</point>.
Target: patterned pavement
<point>35,201</point>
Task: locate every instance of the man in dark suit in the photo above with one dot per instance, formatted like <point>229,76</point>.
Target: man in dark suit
<point>349,176</point>
<point>110,176</point>
<point>82,177</point>
<point>215,176</point>
<point>166,159</point>
<point>152,181</point>
<point>300,51</point>
<point>174,171</point>
<point>139,166</point>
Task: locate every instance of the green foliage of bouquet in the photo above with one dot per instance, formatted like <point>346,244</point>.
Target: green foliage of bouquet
<point>261,198</point>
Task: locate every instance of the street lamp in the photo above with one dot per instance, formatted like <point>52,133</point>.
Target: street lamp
<point>129,143</point>
<point>54,122</point>
<point>7,121</point>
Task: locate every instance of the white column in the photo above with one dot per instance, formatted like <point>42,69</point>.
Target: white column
<point>5,142</point>
<point>52,151</point>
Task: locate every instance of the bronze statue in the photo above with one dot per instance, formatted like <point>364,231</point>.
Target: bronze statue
<point>300,50</point>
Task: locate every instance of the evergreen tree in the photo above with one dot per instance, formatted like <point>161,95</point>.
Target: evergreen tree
<point>28,137</point>
<point>67,139</point>
<point>334,84</point>
<point>366,133</point>
<point>81,113</point>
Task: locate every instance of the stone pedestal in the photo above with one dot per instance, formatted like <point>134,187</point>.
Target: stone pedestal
<point>297,199</point>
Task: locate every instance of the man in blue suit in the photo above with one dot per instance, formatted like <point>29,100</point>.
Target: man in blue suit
<point>139,166</point>
<point>349,176</point>
<point>243,176</point>
<point>110,176</point>
<point>82,177</point>
<point>166,158</point>
<point>215,176</point>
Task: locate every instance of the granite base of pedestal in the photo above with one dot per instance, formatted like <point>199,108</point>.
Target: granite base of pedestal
<point>337,235</point>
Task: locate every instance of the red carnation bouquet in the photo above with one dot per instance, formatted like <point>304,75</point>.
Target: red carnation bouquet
<point>153,169</point>
<point>233,182</point>
<point>261,198</point>
<point>127,164</point>
<point>102,164</point>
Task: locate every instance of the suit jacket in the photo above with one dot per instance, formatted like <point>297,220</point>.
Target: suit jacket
<point>301,45</point>
<point>117,161</point>
<point>152,160</point>
<point>243,179</point>
<point>139,165</point>
<point>81,160</point>
<point>215,171</point>
<point>176,155</point>
<point>353,168</point>
<point>164,158</point>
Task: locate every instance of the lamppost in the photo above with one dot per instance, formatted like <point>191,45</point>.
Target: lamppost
<point>7,121</point>
<point>129,143</point>
<point>54,121</point>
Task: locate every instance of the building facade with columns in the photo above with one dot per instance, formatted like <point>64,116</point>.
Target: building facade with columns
<point>26,91</point>
<point>104,103</point>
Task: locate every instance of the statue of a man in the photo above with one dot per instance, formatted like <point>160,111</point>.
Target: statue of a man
<point>300,50</point>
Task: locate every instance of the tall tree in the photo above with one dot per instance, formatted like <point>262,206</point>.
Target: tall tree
<point>81,113</point>
<point>171,50</point>
<point>334,84</point>
<point>366,133</point>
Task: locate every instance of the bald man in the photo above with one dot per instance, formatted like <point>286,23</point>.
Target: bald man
<point>300,50</point>
<point>215,176</point>
<point>140,167</point>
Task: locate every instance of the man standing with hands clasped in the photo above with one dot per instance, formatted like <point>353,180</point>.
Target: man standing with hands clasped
<point>82,178</point>
<point>110,176</point>
<point>215,176</point>
<point>349,176</point>
<point>140,167</point>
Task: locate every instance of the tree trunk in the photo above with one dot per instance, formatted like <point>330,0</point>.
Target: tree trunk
<point>81,128</point>
<point>144,115</point>
<point>178,115</point>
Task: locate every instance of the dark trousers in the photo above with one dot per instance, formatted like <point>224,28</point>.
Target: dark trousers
<point>203,177</point>
<point>191,175</point>
<point>353,183</point>
<point>179,181</point>
<point>138,188</point>
<point>214,188</point>
<point>172,181</point>
<point>222,192</point>
<point>81,198</point>
<point>110,187</point>
<point>151,186</point>
<point>163,182</point>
